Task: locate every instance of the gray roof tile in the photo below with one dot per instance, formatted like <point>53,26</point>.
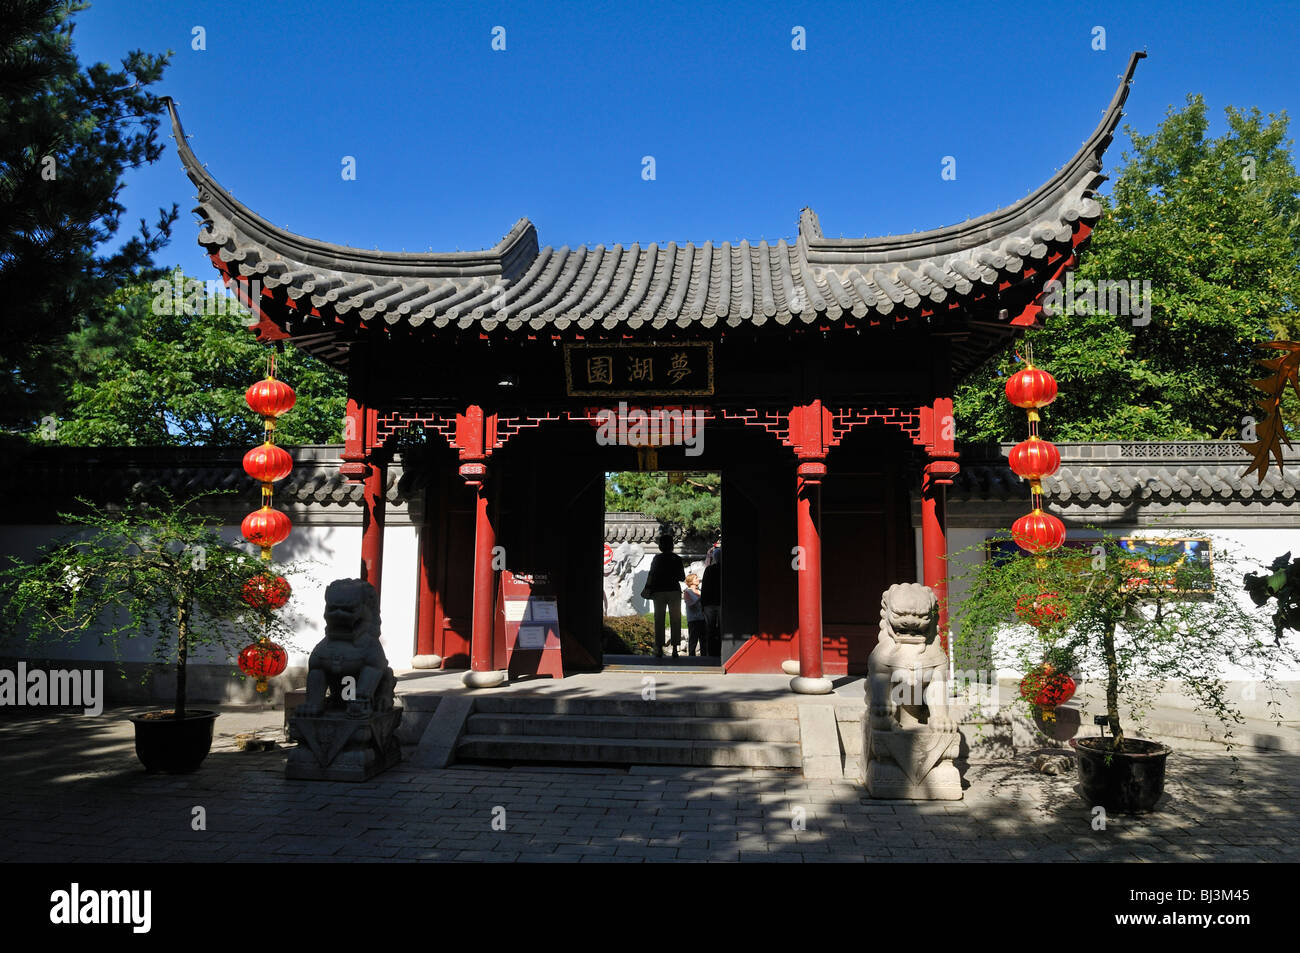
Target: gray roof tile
<point>516,284</point>
<point>1180,472</point>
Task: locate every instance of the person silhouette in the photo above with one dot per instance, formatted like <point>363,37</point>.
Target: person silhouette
<point>711,600</point>
<point>697,632</point>
<point>663,583</point>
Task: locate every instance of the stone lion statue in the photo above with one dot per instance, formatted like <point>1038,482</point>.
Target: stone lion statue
<point>907,660</point>
<point>350,650</point>
<point>909,735</point>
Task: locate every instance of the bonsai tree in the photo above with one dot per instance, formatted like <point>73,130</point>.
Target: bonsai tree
<point>1283,585</point>
<point>1140,618</point>
<point>157,571</point>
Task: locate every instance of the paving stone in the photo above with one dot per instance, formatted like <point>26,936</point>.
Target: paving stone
<point>91,803</point>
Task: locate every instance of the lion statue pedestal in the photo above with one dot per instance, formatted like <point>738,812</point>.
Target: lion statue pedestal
<point>910,739</point>
<point>347,726</point>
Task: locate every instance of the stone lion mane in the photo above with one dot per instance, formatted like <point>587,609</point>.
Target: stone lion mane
<point>908,609</point>
<point>353,594</point>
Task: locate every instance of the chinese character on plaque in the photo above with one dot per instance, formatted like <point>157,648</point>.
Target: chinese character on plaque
<point>600,370</point>
<point>640,368</point>
<point>678,367</point>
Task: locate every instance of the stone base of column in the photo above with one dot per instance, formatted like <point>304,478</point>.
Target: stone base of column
<point>811,686</point>
<point>427,661</point>
<point>790,666</point>
<point>474,679</point>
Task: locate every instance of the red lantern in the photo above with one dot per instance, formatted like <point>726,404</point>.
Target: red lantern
<point>1034,459</point>
<point>1031,388</point>
<point>1047,688</point>
<point>270,398</point>
<point>1040,610</point>
<point>1038,532</point>
<point>266,592</point>
<point>268,463</point>
<point>265,528</point>
<point>262,660</point>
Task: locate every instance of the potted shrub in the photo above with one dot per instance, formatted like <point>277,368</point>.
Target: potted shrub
<point>1139,619</point>
<point>149,571</point>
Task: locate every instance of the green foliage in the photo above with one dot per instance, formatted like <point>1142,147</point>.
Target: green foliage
<point>695,504</point>
<point>154,571</point>
<point>67,136</point>
<point>1222,253</point>
<point>1282,584</point>
<point>1121,618</point>
<point>629,635</point>
<point>170,377</point>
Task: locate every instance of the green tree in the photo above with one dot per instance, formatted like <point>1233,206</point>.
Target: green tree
<point>157,570</point>
<point>67,136</point>
<point>178,378</point>
<point>1141,621</point>
<point>1213,223</point>
<point>693,503</point>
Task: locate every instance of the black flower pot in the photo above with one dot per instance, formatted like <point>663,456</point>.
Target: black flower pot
<point>1125,782</point>
<point>164,743</point>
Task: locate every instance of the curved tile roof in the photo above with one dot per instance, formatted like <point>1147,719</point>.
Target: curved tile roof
<point>517,285</point>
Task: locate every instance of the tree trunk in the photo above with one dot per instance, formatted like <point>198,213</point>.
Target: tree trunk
<point>183,626</point>
<point>1112,684</point>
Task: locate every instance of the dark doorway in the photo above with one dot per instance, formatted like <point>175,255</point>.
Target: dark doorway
<point>643,510</point>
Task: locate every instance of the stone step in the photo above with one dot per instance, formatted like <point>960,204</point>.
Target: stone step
<point>629,726</point>
<point>635,707</point>
<point>535,748</point>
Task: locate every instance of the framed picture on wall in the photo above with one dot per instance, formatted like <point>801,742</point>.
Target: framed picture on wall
<point>1181,565</point>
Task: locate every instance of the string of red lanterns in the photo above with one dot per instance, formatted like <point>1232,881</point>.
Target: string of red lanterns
<point>269,399</point>
<point>1038,532</point>
<point>1032,388</point>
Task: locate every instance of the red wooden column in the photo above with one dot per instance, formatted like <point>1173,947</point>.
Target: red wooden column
<point>808,486</point>
<point>475,438</point>
<point>426,565</point>
<point>811,435</point>
<point>372,523</point>
<point>364,463</point>
<point>937,434</point>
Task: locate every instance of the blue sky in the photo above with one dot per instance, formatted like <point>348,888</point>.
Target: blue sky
<point>454,141</point>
